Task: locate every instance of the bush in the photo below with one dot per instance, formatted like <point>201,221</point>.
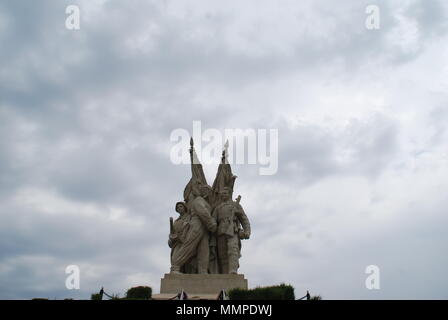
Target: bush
<point>95,296</point>
<point>139,293</point>
<point>280,292</point>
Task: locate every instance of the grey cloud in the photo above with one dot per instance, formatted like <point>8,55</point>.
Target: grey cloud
<point>85,120</point>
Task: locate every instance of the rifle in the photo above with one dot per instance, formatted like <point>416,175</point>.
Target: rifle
<point>238,199</point>
<point>239,230</point>
<point>171,225</point>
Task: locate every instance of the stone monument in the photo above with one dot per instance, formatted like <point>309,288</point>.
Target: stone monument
<point>205,239</point>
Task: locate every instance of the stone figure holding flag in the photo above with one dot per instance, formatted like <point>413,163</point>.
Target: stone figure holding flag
<point>206,238</point>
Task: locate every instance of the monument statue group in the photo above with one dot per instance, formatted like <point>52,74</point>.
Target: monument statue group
<point>206,236</point>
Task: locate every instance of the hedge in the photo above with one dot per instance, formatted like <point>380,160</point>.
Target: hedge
<point>95,296</point>
<point>279,292</point>
<point>139,293</point>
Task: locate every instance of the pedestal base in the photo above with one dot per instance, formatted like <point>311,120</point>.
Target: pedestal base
<point>197,284</point>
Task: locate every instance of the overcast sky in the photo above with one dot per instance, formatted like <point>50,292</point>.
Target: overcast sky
<point>86,117</point>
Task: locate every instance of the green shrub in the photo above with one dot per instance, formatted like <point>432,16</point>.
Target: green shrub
<point>280,292</point>
<point>95,296</point>
<point>139,293</point>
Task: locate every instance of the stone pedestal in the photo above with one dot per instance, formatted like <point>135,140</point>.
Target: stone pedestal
<point>201,283</point>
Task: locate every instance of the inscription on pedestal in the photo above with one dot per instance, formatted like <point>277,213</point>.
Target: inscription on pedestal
<point>201,283</point>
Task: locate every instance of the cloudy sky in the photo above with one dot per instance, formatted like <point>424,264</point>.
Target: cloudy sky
<point>86,117</point>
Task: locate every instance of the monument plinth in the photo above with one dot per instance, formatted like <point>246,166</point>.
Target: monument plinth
<point>200,284</point>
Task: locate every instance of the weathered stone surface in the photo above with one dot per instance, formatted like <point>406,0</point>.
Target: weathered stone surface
<point>170,296</point>
<point>201,283</point>
<point>206,237</point>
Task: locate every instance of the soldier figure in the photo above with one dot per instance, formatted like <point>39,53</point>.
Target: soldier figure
<point>189,237</point>
<point>181,240</point>
<point>201,209</point>
<point>230,217</point>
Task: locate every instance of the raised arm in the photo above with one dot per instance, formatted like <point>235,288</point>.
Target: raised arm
<point>201,209</point>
